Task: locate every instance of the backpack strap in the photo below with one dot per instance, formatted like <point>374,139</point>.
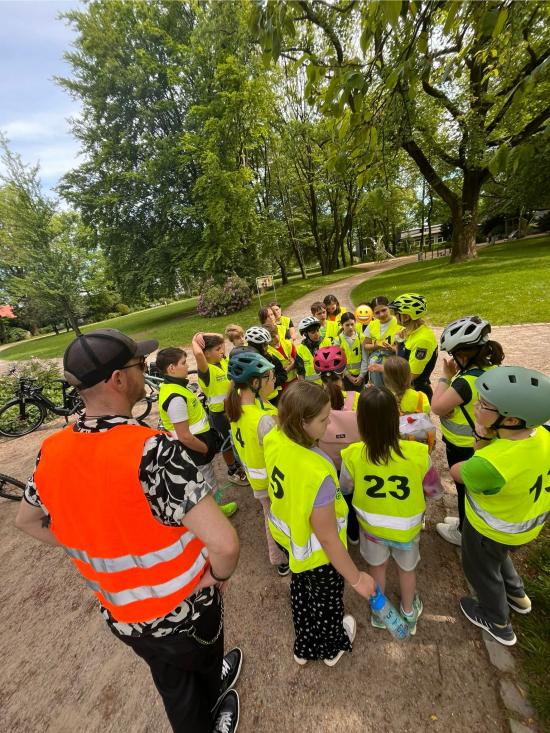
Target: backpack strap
<point>475,372</point>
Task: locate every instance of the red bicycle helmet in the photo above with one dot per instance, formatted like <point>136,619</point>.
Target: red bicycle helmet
<point>329,359</point>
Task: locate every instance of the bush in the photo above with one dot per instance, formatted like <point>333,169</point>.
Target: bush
<point>43,371</point>
<point>220,300</point>
<point>17,334</point>
<point>122,309</point>
<point>543,223</point>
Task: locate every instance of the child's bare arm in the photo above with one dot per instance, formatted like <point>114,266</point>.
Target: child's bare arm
<point>197,345</point>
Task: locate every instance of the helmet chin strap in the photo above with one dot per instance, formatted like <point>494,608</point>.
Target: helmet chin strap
<point>498,425</point>
<point>470,361</point>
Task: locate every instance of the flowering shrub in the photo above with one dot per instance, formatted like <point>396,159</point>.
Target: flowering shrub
<point>220,300</point>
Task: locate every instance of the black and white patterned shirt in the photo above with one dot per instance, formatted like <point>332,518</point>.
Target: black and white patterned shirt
<point>173,486</point>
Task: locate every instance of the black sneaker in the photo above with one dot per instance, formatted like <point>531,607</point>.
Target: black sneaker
<point>503,634</point>
<point>231,669</point>
<point>226,714</point>
<point>283,569</point>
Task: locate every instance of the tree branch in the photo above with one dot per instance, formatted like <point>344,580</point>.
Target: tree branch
<point>531,128</point>
<point>444,99</point>
<point>433,179</point>
<point>318,21</point>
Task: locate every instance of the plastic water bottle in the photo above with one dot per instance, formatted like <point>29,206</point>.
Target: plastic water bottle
<point>389,616</point>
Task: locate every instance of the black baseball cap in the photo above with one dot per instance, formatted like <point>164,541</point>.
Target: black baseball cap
<point>94,356</point>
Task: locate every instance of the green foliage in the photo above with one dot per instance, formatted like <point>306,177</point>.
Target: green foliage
<point>221,300</point>
<point>45,372</point>
<point>462,87</point>
<point>17,334</point>
<point>173,324</point>
<point>533,634</point>
<point>480,287</point>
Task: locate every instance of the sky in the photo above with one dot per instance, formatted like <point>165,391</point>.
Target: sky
<point>33,109</point>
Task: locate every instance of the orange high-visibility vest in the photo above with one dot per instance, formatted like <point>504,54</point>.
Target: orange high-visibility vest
<point>139,569</point>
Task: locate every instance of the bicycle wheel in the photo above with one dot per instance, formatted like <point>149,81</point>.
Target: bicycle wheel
<point>19,418</point>
<point>11,488</point>
<point>142,408</point>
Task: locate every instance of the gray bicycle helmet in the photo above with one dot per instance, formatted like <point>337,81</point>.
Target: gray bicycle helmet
<point>309,323</point>
<point>257,335</point>
<point>465,332</point>
<point>246,364</point>
<point>517,392</point>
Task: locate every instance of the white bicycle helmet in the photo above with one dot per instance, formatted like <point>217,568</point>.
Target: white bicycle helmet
<point>257,335</point>
<point>308,324</point>
<point>464,332</point>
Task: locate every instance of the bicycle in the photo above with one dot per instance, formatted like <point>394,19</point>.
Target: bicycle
<point>11,488</point>
<point>29,408</point>
<point>153,381</point>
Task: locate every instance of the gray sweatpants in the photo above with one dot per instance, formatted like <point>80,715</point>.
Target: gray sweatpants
<point>488,567</point>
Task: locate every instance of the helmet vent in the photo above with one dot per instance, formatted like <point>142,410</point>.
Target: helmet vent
<point>512,378</point>
<point>534,381</point>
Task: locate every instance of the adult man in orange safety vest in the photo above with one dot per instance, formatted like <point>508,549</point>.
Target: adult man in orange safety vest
<point>137,520</point>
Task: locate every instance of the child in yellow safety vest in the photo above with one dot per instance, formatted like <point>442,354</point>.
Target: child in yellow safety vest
<point>397,378</point>
<point>334,310</point>
<point>309,328</point>
<point>252,382</point>
<point>289,332</point>
<point>184,417</point>
<point>379,341</point>
<point>330,330</point>
<point>209,352</point>
<point>283,351</point>
<point>507,492</point>
<point>308,518</point>
<point>351,344</point>
<point>388,478</point>
<point>472,353</point>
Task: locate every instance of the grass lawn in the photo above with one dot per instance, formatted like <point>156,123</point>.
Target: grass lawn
<point>173,324</point>
<point>532,630</point>
<point>508,283</point>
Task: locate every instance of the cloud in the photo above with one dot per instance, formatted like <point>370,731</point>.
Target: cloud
<point>38,126</point>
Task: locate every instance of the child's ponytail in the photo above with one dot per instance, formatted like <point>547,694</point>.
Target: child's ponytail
<point>233,407</point>
<point>331,384</point>
<point>397,377</point>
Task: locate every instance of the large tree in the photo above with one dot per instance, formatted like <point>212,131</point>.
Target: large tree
<point>463,85</point>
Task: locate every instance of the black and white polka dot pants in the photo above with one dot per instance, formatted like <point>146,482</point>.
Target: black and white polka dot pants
<point>317,603</point>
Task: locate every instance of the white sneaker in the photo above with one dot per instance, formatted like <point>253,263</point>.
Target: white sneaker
<point>300,661</point>
<point>452,521</point>
<point>350,625</point>
<point>449,533</point>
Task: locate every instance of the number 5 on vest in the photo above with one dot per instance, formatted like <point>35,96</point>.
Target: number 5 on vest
<point>276,478</point>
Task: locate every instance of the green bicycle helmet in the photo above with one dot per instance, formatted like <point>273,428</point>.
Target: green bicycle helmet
<point>245,364</point>
<point>517,392</point>
<point>410,304</point>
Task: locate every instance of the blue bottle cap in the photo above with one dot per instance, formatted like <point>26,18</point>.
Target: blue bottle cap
<point>377,600</point>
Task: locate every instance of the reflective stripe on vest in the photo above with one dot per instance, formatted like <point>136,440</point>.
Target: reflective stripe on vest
<point>303,552</point>
<point>200,427</point>
<point>384,520</point>
<point>500,525</point>
<point>215,399</point>
<point>455,428</point>
<point>255,472</point>
<point>147,592</point>
<point>127,562</point>
<point>140,569</point>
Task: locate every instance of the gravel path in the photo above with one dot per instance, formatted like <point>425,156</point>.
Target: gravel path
<point>62,671</point>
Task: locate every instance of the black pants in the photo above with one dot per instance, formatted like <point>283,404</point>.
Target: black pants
<point>456,454</point>
<point>489,569</point>
<point>317,599</point>
<point>186,674</point>
<point>353,524</point>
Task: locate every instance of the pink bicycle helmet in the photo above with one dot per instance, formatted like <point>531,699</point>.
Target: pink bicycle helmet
<point>329,359</point>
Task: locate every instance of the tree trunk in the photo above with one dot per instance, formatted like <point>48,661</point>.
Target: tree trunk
<point>343,253</point>
<point>284,274</point>
<point>71,318</point>
<point>465,218</point>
